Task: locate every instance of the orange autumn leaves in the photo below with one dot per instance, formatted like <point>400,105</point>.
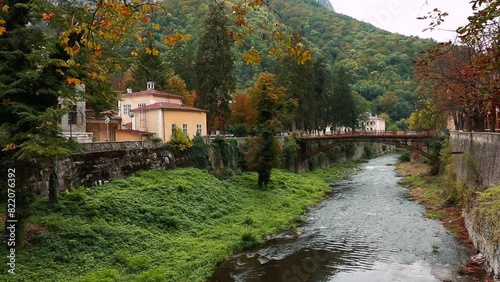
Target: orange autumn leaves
<point>5,9</point>
<point>109,23</point>
<point>243,112</point>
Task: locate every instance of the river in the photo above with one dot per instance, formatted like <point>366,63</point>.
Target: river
<point>367,230</point>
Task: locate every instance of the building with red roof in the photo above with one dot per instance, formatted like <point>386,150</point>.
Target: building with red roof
<point>158,113</point>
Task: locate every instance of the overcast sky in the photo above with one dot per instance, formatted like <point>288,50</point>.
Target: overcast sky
<point>400,15</point>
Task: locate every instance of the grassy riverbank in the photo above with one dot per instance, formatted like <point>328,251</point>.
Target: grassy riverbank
<point>162,225</point>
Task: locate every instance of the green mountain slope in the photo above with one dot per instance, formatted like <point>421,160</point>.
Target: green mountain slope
<point>377,61</point>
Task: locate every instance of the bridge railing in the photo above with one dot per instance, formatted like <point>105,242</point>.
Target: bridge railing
<point>417,133</point>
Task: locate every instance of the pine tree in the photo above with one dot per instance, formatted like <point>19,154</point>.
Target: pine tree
<point>214,66</point>
<point>30,84</point>
<point>148,67</point>
<point>298,79</point>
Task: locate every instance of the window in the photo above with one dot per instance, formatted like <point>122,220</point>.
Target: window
<point>126,109</point>
<point>72,115</point>
<point>173,129</point>
<point>198,129</point>
<point>140,105</point>
<point>185,128</point>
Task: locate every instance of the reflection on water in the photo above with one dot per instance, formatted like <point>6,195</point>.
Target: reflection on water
<point>366,231</point>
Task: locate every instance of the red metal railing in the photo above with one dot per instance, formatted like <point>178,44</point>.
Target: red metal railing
<point>374,133</point>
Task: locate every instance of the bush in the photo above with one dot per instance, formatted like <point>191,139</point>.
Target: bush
<point>180,141</point>
<point>249,240</point>
<point>369,151</point>
<point>239,130</point>
<point>138,263</point>
<point>198,153</point>
<point>290,150</point>
<point>228,151</point>
<point>405,157</point>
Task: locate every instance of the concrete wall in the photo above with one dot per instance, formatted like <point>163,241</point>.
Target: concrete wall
<point>476,160</point>
<point>477,157</point>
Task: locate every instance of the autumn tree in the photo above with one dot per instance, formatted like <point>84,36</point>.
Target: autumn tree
<point>272,105</point>
<point>48,52</point>
<point>445,82</point>
<point>242,110</point>
<point>472,80</point>
<point>214,65</point>
<point>427,117</point>
<point>176,85</point>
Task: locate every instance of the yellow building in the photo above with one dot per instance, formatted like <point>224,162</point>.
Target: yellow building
<point>157,112</point>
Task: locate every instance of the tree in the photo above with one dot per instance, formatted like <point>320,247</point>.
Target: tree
<point>30,84</point>
<point>298,80</point>
<point>446,83</point>
<point>272,106</point>
<point>427,117</point>
<point>342,101</point>
<point>47,52</point>
<point>388,103</point>
<point>474,81</point>
<point>214,65</point>
<point>176,85</point>
<point>242,110</point>
<point>145,68</point>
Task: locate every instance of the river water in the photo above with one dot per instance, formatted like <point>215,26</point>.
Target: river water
<point>367,230</point>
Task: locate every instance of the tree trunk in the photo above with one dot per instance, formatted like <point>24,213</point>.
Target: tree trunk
<point>53,185</point>
<point>15,221</point>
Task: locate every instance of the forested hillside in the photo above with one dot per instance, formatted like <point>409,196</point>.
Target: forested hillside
<point>379,64</point>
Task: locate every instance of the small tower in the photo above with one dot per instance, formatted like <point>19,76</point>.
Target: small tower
<point>150,85</point>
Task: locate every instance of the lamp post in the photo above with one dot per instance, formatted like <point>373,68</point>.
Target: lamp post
<point>106,121</point>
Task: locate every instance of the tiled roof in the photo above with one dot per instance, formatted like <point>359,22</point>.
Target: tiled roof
<point>152,92</point>
<point>169,106</point>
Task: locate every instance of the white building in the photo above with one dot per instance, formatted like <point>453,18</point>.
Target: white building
<point>74,123</point>
<point>374,123</point>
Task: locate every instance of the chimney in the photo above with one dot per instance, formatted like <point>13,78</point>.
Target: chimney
<point>150,85</point>
<point>129,90</point>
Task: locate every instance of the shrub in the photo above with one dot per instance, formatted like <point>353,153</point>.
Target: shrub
<point>249,240</point>
<point>239,130</point>
<point>405,157</point>
<point>227,149</point>
<point>349,149</point>
<point>138,263</point>
<point>198,153</point>
<point>180,141</point>
<point>75,194</point>
<point>369,151</point>
<point>290,149</point>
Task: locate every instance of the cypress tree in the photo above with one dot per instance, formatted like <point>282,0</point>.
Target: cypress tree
<point>343,103</point>
<point>214,65</point>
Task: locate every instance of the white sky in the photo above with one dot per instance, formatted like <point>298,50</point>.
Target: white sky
<point>400,16</point>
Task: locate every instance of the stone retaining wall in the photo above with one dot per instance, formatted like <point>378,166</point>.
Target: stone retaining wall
<point>476,160</point>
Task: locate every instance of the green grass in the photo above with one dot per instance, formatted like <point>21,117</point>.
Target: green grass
<point>162,225</point>
<point>431,214</point>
